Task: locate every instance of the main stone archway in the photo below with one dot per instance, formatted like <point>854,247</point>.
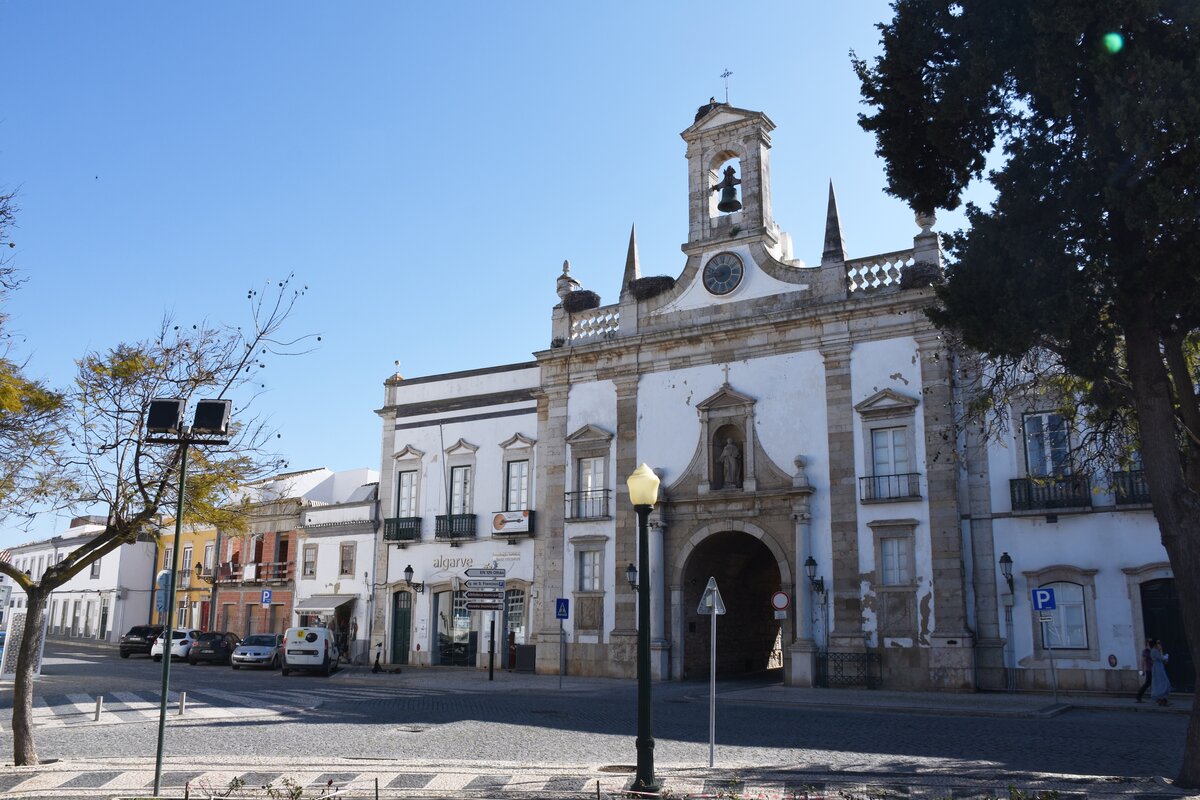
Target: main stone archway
<point>748,570</point>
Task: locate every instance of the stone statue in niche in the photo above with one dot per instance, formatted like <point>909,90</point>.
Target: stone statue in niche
<point>731,465</point>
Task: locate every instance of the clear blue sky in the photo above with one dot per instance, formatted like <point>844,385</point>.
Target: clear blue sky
<point>423,168</point>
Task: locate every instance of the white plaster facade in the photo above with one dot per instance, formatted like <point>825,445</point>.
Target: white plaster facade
<point>335,558</point>
<point>479,426</point>
<point>800,418</point>
<point>104,599</point>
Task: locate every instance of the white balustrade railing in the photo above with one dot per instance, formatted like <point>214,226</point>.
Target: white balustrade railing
<point>874,272</point>
<point>595,323</point>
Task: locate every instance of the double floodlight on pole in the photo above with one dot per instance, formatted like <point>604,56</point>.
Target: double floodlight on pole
<point>643,493</point>
<point>164,421</point>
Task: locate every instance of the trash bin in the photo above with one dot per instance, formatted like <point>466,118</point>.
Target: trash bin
<point>526,658</point>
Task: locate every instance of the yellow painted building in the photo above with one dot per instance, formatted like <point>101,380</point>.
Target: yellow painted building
<point>194,583</point>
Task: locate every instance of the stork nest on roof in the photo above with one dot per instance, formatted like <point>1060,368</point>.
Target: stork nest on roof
<point>645,288</point>
<point>580,300</point>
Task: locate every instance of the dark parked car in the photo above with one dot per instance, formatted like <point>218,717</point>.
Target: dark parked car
<point>139,640</point>
<point>215,646</point>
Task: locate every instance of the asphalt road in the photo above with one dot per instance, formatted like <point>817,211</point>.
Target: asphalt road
<point>459,715</point>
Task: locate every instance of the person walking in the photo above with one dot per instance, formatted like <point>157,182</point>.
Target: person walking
<point>1147,670</point>
<point>1160,686</point>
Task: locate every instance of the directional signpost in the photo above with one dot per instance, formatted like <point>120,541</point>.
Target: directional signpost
<point>485,592</point>
<point>712,605</point>
<point>1044,604</point>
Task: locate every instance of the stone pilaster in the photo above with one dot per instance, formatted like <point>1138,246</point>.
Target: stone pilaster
<point>844,591</point>
<point>801,663</point>
<point>660,648</point>
<point>625,534</point>
<point>380,635</point>
<point>550,480</point>
<point>991,638</point>
<point>952,657</point>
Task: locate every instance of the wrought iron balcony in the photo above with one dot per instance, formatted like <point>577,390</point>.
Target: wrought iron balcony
<point>591,504</point>
<point>402,529</point>
<point>888,488</point>
<point>264,572</point>
<point>453,527</point>
<point>1037,494</point>
<point>1129,487</point>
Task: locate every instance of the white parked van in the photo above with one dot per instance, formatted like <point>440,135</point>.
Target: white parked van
<point>309,648</point>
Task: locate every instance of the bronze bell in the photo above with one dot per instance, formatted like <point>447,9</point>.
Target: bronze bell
<point>729,201</point>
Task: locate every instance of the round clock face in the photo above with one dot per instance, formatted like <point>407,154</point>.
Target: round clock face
<point>722,273</point>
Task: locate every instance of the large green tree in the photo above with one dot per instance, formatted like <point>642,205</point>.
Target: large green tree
<point>1086,261</point>
<point>108,464</point>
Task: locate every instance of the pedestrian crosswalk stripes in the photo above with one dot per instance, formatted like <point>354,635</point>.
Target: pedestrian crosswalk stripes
<point>58,710</point>
<point>400,779</point>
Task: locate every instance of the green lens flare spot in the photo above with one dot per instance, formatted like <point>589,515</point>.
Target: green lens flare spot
<point>1113,42</point>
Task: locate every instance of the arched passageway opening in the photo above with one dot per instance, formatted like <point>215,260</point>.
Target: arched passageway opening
<point>749,638</point>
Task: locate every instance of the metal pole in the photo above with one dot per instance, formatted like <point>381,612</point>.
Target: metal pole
<point>562,651</point>
<point>712,691</point>
<point>492,648</point>
<point>1053,671</point>
<point>169,628</point>
<point>644,780</point>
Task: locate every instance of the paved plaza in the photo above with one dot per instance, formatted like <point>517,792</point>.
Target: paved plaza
<point>454,733</point>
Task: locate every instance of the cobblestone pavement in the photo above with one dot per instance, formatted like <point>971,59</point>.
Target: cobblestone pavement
<point>452,733</point>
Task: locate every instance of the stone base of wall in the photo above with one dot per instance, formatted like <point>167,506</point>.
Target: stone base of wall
<point>1113,681</point>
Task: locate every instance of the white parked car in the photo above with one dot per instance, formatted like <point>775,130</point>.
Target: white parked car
<point>181,644</point>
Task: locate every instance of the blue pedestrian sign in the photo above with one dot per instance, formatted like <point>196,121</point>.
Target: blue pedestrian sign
<point>266,598</point>
<point>562,606</point>
<point>1043,599</point>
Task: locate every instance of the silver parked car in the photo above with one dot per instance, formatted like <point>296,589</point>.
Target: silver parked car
<point>259,650</point>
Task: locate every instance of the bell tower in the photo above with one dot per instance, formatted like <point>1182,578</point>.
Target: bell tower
<point>729,178</point>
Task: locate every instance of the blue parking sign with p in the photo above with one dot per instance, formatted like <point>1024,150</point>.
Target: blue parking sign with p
<point>266,597</point>
<point>1043,599</point>
<point>561,606</point>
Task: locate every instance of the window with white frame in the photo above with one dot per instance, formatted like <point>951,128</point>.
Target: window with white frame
<point>589,583</point>
<point>517,486</point>
<point>896,561</point>
<point>590,576</point>
<point>1068,629</point>
<point>891,467</point>
<point>309,569</point>
<point>1047,445</point>
<point>210,552</point>
<point>591,474</point>
<point>589,495</point>
<point>346,559</point>
<point>406,493</point>
<point>460,490</point>
<point>185,569</point>
<point>167,554</point>
<point>888,426</point>
<point>95,573</point>
<point>895,584</point>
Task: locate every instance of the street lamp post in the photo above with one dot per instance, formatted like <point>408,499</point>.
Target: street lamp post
<point>165,420</point>
<point>643,493</point>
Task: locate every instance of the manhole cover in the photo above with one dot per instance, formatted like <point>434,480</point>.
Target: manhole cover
<point>619,768</point>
